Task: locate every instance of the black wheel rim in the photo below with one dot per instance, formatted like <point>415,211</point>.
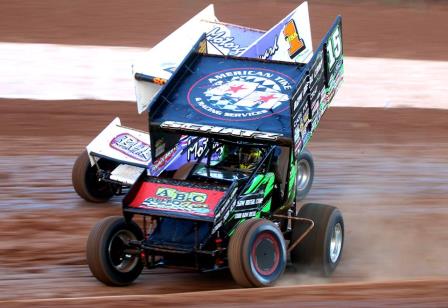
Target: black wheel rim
<point>97,188</point>
<point>265,254</point>
<point>119,257</point>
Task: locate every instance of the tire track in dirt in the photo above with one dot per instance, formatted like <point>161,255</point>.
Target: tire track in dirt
<point>390,186</point>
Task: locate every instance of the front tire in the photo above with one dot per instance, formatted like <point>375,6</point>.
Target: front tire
<point>321,250</point>
<point>85,180</point>
<point>305,174</point>
<point>257,253</point>
<point>106,251</point>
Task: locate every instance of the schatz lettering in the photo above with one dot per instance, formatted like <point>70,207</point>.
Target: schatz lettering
<point>132,147</point>
<point>220,130</point>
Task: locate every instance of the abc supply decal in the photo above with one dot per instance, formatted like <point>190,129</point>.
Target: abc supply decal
<point>182,199</point>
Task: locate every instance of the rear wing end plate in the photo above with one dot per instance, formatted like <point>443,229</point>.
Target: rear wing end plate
<point>321,80</point>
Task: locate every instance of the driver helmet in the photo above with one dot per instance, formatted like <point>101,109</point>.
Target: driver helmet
<point>248,158</point>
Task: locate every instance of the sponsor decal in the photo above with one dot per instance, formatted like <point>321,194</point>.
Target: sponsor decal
<point>300,96</point>
<point>174,194</point>
<point>313,97</point>
<point>298,146</point>
<point>216,227</point>
<point>172,199</point>
<point>181,199</point>
<point>296,44</point>
<point>245,214</point>
<point>286,41</point>
<point>249,203</point>
<point>160,164</point>
<point>220,37</point>
<point>269,52</point>
<point>225,207</point>
<point>241,94</point>
<point>132,147</point>
<point>220,130</point>
<point>202,48</point>
<point>160,147</point>
<point>195,151</point>
<point>335,67</point>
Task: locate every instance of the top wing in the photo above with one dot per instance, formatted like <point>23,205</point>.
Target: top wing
<point>255,100</point>
<point>226,97</point>
<point>161,61</point>
<point>289,40</point>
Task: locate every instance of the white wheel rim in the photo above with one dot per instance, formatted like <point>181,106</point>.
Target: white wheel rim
<point>303,174</point>
<point>336,243</point>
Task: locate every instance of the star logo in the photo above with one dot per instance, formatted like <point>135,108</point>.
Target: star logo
<point>266,99</point>
<point>242,94</point>
<point>235,89</point>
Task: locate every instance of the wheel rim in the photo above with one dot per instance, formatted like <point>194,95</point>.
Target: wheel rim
<point>336,243</point>
<point>303,174</point>
<point>120,260</point>
<point>97,188</point>
<point>265,254</point>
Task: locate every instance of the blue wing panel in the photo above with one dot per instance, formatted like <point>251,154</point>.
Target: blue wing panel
<point>233,93</point>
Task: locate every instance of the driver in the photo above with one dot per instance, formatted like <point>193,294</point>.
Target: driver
<point>248,158</point>
<point>242,158</point>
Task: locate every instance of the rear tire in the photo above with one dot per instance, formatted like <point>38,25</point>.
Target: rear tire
<point>105,251</point>
<point>321,250</point>
<point>235,253</point>
<point>257,253</point>
<point>85,180</point>
<point>305,174</point>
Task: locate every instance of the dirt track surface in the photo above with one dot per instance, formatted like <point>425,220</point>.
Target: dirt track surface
<point>386,169</point>
<point>372,28</point>
<point>423,293</point>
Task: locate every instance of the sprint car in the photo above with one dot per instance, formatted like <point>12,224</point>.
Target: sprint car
<point>114,160</point>
<point>233,206</point>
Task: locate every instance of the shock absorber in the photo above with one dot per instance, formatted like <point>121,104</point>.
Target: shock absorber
<point>219,260</point>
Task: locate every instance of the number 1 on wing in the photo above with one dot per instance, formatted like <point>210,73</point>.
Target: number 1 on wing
<point>296,44</point>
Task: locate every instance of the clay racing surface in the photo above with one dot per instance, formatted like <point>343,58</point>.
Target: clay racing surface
<point>386,169</point>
